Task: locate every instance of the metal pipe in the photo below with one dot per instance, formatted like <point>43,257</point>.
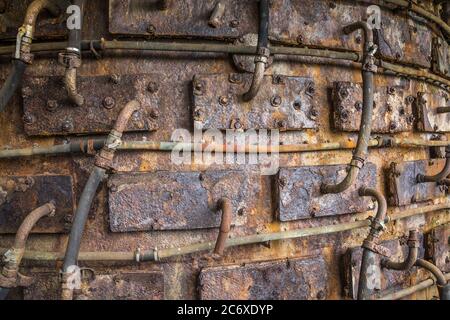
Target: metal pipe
<point>411,290</point>
<point>217,15</point>
<point>22,55</point>
<point>71,59</point>
<point>413,252</point>
<point>441,175</point>
<point>225,225</point>
<point>10,277</point>
<point>368,70</point>
<point>103,162</point>
<point>442,284</point>
<point>371,243</point>
<point>443,109</point>
<point>263,52</point>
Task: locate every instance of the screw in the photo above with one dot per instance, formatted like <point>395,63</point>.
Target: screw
<point>223,100</point>
<point>67,126</point>
<point>108,103</point>
<point>152,87</point>
<point>275,101</point>
<point>115,78</point>
<point>298,105</point>
<point>358,106</point>
<point>151,29</point>
<point>52,105</point>
<point>234,23</point>
<point>28,118</point>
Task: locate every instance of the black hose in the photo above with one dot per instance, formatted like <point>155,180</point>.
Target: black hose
<point>74,40</point>
<point>263,34</point>
<point>12,82</point>
<point>444,292</point>
<point>81,215</point>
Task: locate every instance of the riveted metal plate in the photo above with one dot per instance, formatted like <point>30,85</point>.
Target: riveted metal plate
<point>299,195</point>
<point>293,279</point>
<point>425,107</point>
<point>21,195</point>
<point>47,26</point>
<point>119,286</point>
<point>47,110</point>
<point>441,56</point>
<point>285,103</point>
<point>402,185</point>
<point>384,280</point>
<point>178,200</point>
<point>319,24</point>
<point>437,247</point>
<point>393,110</point>
<point>182,18</point>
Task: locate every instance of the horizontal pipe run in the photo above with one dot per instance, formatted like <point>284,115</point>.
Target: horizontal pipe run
<point>413,289</point>
<point>91,145</point>
<point>206,246</point>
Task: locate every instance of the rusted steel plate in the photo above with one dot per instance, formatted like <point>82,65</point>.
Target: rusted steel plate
<point>119,286</point>
<point>182,18</point>
<point>299,195</point>
<point>319,24</point>
<point>13,14</point>
<point>47,110</point>
<point>437,247</point>
<point>385,280</point>
<point>21,195</point>
<point>285,103</point>
<point>393,110</point>
<point>428,119</point>
<point>402,186</point>
<point>441,57</point>
<point>178,200</point>
<point>293,279</point>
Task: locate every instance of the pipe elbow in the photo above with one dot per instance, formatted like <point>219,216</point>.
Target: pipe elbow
<point>225,225</point>
<point>343,185</point>
<point>258,77</point>
<point>421,178</point>
<point>125,115</point>
<point>413,253</point>
<point>438,274</point>
<point>70,82</point>
<point>35,8</point>
<point>368,32</point>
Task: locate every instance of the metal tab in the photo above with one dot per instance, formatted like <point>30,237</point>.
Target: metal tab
<point>437,247</point>
<point>384,280</point>
<point>319,24</point>
<point>47,110</point>
<point>285,103</point>
<point>183,18</point>
<point>19,195</point>
<point>293,279</point>
<point>441,56</point>
<point>402,186</point>
<point>147,285</point>
<point>178,200</point>
<point>392,108</point>
<point>428,118</point>
<point>299,195</point>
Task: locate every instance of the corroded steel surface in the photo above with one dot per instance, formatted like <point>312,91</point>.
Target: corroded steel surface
<point>392,108</point>
<point>437,247</point>
<point>300,197</point>
<point>292,279</point>
<point>428,119</point>
<point>403,188</point>
<point>285,103</point>
<point>21,195</point>
<point>179,200</point>
<point>385,280</point>
<point>47,110</point>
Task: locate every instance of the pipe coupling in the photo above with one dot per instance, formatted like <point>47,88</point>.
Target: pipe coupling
<point>104,158</point>
<point>357,162</point>
<point>23,44</point>
<point>263,55</point>
<point>413,239</point>
<point>70,60</point>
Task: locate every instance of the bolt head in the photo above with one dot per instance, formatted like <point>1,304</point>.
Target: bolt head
<point>234,23</point>
<point>28,118</point>
<point>52,105</point>
<point>151,29</point>
<point>152,87</point>
<point>108,103</point>
<point>297,105</point>
<point>223,100</point>
<point>275,101</point>
<point>115,78</point>
<point>67,126</point>
<point>358,106</point>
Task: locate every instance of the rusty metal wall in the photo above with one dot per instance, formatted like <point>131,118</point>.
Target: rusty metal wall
<point>306,268</point>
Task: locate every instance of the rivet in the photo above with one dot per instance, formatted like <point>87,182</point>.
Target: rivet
<point>276,101</point>
<point>108,103</point>
<point>115,78</point>
<point>223,100</point>
<point>28,118</point>
<point>67,126</point>
<point>151,29</point>
<point>152,87</point>
<point>52,105</point>
<point>298,105</point>
<point>234,23</point>
<point>358,106</point>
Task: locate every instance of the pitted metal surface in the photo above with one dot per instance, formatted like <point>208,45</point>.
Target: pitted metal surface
<point>426,106</point>
<point>437,247</point>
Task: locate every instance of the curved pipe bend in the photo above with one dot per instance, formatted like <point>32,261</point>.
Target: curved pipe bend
<point>263,52</point>
<point>225,225</point>
<point>413,253</point>
<point>360,153</point>
<point>441,175</point>
<point>440,277</point>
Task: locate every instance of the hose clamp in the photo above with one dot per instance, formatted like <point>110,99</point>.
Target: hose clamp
<point>357,162</point>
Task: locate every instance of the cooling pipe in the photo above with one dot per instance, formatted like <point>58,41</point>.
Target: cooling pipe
<point>71,59</point>
<point>441,281</point>
<point>371,247</point>
<point>22,55</point>
<point>10,276</point>
<point>225,226</point>
<point>368,70</point>
<point>441,175</point>
<point>263,52</point>
<point>103,163</point>
<point>413,252</point>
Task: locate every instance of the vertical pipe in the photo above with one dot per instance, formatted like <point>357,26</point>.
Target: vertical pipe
<point>225,226</point>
